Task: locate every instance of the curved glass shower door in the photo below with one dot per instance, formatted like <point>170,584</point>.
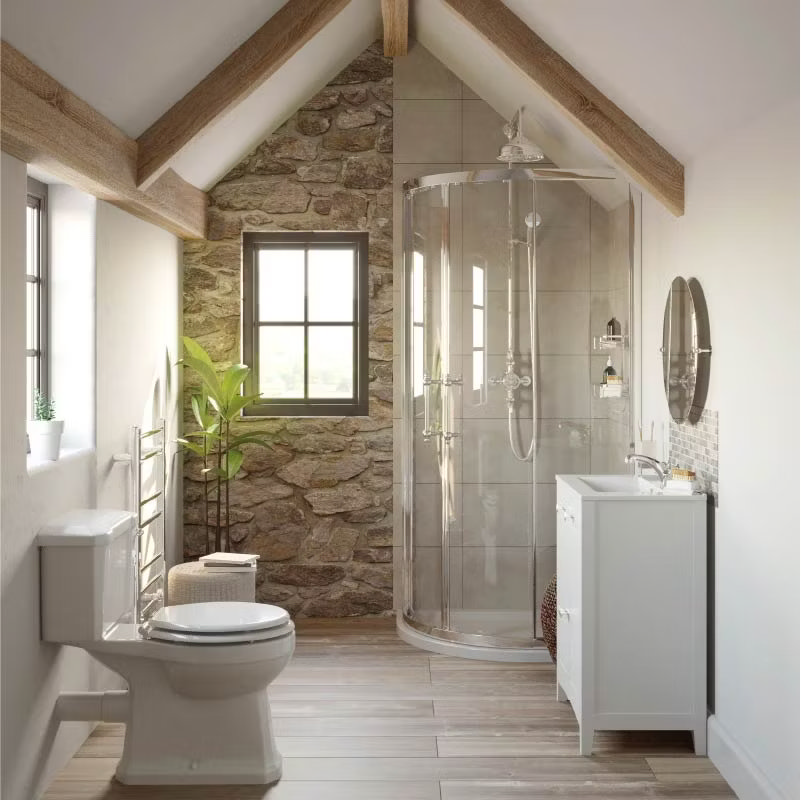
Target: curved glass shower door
<point>507,275</point>
<point>471,545</point>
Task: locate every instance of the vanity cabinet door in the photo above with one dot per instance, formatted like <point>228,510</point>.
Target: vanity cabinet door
<point>568,588</point>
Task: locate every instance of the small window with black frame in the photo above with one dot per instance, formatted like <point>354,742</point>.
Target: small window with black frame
<point>305,323</point>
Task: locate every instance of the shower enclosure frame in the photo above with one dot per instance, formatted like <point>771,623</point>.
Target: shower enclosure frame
<point>476,645</point>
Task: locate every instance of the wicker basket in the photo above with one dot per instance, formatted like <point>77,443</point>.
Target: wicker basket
<point>548,617</point>
<point>193,583</point>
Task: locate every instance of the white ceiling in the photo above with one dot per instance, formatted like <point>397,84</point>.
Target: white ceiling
<point>685,70</point>
<point>131,59</point>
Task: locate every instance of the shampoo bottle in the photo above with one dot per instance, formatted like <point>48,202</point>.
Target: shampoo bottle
<point>610,370</point>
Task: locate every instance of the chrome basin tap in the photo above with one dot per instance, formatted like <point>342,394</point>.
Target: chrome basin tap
<point>657,466</point>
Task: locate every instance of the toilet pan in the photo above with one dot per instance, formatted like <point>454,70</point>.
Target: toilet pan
<point>198,711</point>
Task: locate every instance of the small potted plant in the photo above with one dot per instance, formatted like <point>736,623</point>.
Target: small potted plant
<point>44,430</point>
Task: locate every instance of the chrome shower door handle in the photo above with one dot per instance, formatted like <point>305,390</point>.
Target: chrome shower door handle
<point>428,431</point>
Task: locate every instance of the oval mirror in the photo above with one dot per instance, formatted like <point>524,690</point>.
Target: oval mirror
<point>685,350</point>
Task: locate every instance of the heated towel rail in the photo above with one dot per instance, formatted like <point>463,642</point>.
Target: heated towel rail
<point>148,461</point>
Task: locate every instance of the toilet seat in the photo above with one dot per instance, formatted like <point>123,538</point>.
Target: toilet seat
<point>220,638</point>
<point>219,623</point>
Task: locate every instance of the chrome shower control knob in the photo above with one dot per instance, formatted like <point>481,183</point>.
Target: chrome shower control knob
<point>511,381</point>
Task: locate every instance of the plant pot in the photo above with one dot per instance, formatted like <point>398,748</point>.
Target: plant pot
<point>45,438</point>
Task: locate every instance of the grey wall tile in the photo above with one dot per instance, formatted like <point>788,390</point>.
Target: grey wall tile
<point>497,514</point>
<point>563,320</point>
<point>421,76</point>
<point>563,259</point>
<point>564,383</point>
<point>563,448</point>
<point>427,131</point>
<point>482,132</point>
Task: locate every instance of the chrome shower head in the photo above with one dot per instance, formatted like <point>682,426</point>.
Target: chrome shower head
<point>518,149</point>
<point>533,220</point>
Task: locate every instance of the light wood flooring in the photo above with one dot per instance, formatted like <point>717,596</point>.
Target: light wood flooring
<point>359,715</point>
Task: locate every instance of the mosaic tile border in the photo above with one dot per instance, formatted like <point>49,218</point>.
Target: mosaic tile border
<point>695,447</point>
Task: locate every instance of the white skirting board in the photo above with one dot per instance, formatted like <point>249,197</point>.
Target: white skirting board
<point>736,766</point>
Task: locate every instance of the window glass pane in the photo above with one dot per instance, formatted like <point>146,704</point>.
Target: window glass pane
<point>331,361</point>
<point>31,310</point>
<point>281,285</point>
<point>417,360</point>
<point>478,327</point>
<point>281,361</point>
<point>331,285</point>
<point>31,370</point>
<point>418,262</point>
<point>478,286</point>
<point>478,369</point>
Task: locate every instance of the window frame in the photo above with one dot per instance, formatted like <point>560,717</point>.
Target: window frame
<point>252,243</point>
<point>37,199</point>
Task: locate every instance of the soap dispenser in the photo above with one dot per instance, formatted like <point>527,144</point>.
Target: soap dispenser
<point>610,370</point>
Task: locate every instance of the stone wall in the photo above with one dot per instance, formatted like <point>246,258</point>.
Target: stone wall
<point>318,507</point>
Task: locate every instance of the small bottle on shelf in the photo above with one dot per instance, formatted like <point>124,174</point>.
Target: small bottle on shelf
<point>610,370</point>
<point>613,327</point>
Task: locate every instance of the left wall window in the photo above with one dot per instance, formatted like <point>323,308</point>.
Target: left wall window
<point>36,292</point>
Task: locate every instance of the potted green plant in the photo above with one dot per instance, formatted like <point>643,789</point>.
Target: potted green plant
<point>44,430</point>
<point>216,408</point>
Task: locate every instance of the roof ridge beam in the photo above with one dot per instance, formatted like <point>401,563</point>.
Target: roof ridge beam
<point>43,123</point>
<point>231,81</point>
<point>607,126</point>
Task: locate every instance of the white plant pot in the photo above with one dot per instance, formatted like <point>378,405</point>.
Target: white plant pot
<point>45,438</point>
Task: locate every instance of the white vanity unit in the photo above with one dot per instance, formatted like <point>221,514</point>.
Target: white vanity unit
<point>631,606</point>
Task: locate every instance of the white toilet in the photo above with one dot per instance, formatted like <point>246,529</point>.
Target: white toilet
<point>196,710</point>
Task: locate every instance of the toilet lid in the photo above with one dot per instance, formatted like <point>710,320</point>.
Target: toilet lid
<point>218,618</point>
<point>241,637</point>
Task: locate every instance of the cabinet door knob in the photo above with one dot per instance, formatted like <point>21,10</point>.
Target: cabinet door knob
<point>563,612</point>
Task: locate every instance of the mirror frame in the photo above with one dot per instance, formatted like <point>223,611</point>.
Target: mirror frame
<point>701,351</point>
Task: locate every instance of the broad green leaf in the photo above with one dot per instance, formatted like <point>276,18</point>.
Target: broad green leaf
<point>251,438</point>
<point>239,402</point>
<point>207,375</point>
<point>232,380</point>
<point>196,351</point>
<point>200,404</point>
<point>233,462</point>
<point>195,448</point>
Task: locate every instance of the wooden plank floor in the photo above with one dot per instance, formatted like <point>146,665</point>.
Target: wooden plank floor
<point>359,715</point>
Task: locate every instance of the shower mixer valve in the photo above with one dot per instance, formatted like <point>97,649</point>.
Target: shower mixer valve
<point>511,381</point>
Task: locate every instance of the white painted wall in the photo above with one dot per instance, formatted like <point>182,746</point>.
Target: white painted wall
<point>139,301</point>
<point>138,267</point>
<point>739,238</point>
<point>32,672</point>
<point>71,273</point>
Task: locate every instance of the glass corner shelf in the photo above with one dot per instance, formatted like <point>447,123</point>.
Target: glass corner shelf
<point>605,391</point>
<point>610,341</point>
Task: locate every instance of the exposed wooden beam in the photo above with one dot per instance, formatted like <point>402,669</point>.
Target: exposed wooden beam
<point>628,145</point>
<point>232,81</point>
<point>43,123</point>
<point>396,27</point>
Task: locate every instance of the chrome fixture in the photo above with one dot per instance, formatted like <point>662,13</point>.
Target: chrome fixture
<point>518,149</point>
<point>510,380</point>
<point>657,466</point>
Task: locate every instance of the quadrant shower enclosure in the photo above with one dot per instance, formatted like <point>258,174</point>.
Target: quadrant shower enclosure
<point>517,287</point>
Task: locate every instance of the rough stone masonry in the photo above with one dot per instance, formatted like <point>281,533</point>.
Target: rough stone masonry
<point>318,507</point>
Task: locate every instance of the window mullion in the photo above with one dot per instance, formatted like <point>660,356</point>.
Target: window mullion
<point>306,322</point>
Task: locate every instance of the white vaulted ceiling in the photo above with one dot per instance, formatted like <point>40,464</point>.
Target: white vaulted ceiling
<point>685,71</point>
<point>131,59</point>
